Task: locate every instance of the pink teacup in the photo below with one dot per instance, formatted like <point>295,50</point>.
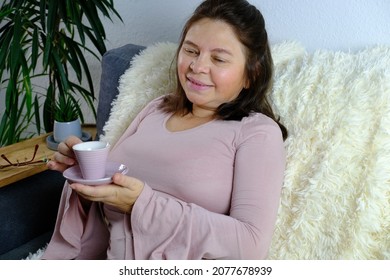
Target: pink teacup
<point>92,158</point>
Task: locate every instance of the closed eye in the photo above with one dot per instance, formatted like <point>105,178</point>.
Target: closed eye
<point>219,60</point>
<point>190,51</point>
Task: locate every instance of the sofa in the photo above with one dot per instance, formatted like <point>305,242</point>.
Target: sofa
<point>336,106</point>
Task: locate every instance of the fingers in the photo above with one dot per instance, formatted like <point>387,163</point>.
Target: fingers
<point>65,148</point>
<point>64,157</point>
<point>127,182</point>
<point>53,165</point>
<point>104,192</point>
<point>122,194</point>
<point>92,193</point>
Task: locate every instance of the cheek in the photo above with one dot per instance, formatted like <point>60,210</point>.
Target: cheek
<point>181,68</point>
<point>230,80</point>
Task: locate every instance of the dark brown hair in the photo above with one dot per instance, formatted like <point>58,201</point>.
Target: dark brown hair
<point>249,26</point>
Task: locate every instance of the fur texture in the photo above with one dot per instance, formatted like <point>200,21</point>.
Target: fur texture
<point>37,255</point>
<point>150,75</point>
<point>336,106</point>
<point>336,195</point>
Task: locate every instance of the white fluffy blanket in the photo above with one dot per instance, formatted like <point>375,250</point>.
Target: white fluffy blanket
<point>336,106</point>
<point>336,195</point>
<point>149,76</point>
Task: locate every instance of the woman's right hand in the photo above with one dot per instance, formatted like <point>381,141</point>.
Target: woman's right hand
<point>64,157</point>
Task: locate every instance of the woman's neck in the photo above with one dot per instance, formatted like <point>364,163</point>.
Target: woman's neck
<point>203,113</point>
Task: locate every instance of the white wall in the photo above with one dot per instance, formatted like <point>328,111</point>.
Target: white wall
<point>330,24</point>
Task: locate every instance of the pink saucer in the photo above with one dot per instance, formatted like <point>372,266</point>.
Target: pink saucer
<point>73,174</point>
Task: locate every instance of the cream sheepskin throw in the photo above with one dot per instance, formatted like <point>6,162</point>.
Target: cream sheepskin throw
<point>150,75</point>
<point>336,195</point>
<point>336,106</point>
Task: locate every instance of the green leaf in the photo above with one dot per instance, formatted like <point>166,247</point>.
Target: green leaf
<point>46,50</point>
<point>37,115</point>
<point>42,13</point>
<point>84,63</point>
<point>87,97</point>
<point>52,28</point>
<point>52,16</point>
<point>67,109</point>
<point>48,110</point>
<point>74,8</point>
<point>15,49</point>
<point>34,49</point>
<point>5,43</point>
<point>63,78</point>
<point>11,111</point>
<point>96,26</point>
<point>73,57</point>
<point>27,85</point>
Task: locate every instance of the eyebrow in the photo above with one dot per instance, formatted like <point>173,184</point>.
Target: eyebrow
<point>218,50</point>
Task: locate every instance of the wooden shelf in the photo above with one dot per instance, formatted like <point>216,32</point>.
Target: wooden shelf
<point>24,151</point>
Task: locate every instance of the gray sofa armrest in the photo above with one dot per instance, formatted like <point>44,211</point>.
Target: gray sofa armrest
<point>114,63</point>
<point>28,211</point>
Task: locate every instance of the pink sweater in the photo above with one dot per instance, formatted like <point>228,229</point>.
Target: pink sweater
<point>210,192</point>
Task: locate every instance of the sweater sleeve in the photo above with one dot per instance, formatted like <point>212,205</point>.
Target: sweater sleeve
<point>77,235</point>
<point>167,228</point>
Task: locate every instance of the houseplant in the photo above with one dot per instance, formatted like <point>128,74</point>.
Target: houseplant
<point>66,118</point>
<point>47,39</point>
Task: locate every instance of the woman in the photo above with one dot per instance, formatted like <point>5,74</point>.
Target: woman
<point>205,164</point>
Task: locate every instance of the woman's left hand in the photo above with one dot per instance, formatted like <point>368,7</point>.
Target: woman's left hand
<point>122,193</point>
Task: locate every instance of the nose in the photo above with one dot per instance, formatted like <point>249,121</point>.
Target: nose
<point>200,65</point>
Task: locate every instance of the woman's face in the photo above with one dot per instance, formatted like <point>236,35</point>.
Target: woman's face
<point>211,65</point>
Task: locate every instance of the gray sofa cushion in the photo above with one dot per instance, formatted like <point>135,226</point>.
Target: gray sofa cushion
<point>114,63</point>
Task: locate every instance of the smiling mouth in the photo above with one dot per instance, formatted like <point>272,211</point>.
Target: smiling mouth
<point>197,83</point>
